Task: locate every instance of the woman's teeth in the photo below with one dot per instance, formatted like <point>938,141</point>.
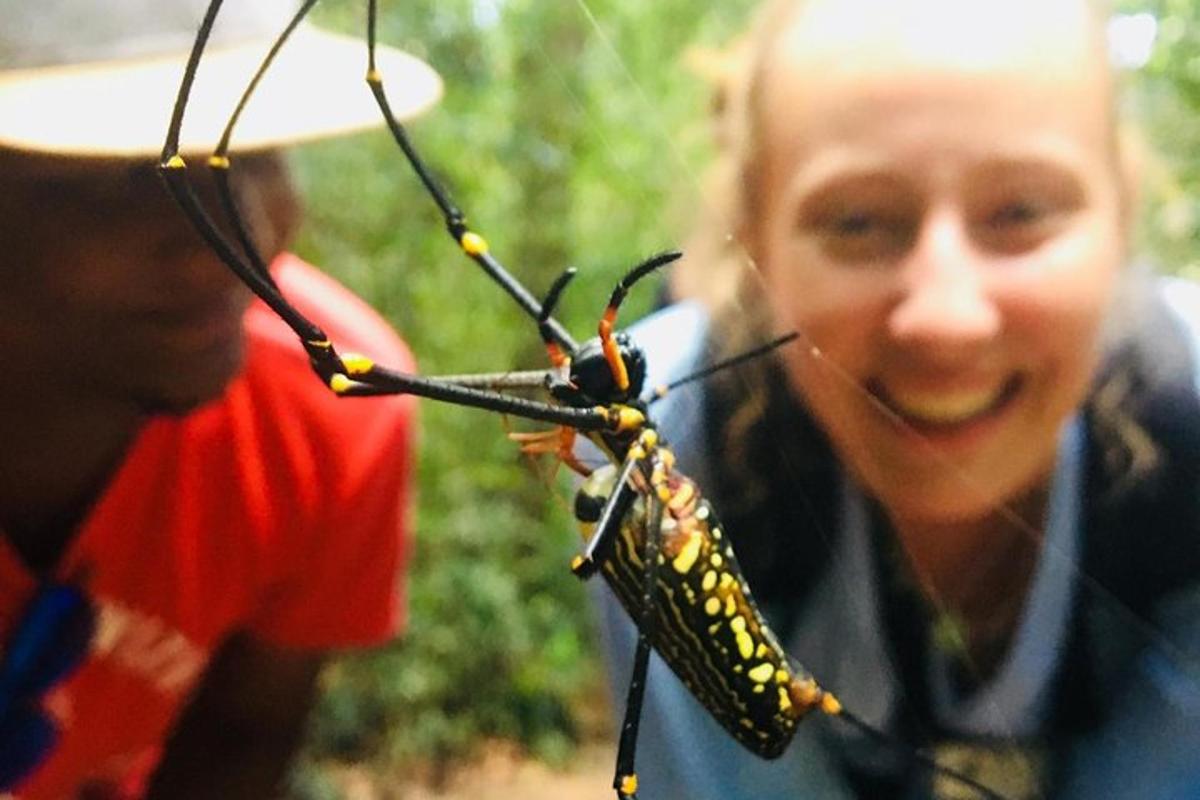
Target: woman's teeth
<point>945,408</point>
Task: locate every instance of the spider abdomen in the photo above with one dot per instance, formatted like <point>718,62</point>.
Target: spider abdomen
<point>707,626</point>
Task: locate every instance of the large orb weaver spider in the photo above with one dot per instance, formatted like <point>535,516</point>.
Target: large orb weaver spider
<point>651,534</point>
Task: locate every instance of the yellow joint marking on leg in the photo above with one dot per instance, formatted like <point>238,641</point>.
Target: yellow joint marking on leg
<point>831,705</point>
<point>357,364</point>
<point>762,673</point>
<point>629,785</point>
<point>175,162</point>
<point>218,162</point>
<point>661,390</point>
<point>324,344</point>
<point>473,244</point>
<point>712,606</point>
<point>576,563</point>
<point>374,76</point>
<point>629,419</point>
<point>688,555</point>
<point>340,383</point>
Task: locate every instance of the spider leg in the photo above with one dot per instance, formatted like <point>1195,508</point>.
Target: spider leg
<point>252,272</point>
<point>661,391</point>
<point>560,442</point>
<point>471,243</point>
<point>537,379</point>
<point>558,357</point>
<point>374,380</point>
<point>608,522</point>
<point>635,477</point>
<point>219,161</point>
<point>608,322</point>
<point>625,779</point>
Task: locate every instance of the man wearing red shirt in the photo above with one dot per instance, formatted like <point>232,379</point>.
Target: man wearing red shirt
<point>165,449</point>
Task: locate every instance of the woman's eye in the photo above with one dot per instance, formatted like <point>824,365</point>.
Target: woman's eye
<point>1022,212</point>
<point>861,236</point>
<point>1020,225</point>
<point>855,224</point>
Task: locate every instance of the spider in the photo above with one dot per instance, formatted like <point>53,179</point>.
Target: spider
<point>652,535</point>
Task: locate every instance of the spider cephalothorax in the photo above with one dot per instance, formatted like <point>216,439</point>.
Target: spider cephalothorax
<point>591,381</point>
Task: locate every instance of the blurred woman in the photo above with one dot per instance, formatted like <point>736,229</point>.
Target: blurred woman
<point>967,499</point>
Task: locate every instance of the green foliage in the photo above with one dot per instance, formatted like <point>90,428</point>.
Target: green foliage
<point>1164,97</point>
<point>572,133</point>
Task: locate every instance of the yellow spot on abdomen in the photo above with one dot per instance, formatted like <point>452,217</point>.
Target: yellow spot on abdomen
<point>745,645</point>
<point>712,606</point>
<point>709,582</point>
<point>762,673</point>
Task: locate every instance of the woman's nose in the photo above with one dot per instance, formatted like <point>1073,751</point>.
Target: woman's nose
<point>944,298</point>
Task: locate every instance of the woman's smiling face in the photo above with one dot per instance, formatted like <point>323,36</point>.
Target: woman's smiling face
<point>943,215</point>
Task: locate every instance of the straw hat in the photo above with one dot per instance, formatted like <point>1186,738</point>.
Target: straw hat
<point>98,78</point>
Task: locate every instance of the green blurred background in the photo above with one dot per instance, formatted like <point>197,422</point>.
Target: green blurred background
<point>571,133</point>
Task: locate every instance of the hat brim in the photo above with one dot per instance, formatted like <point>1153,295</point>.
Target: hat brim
<point>315,89</point>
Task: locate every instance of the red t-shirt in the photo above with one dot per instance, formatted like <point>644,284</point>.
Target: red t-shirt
<point>278,509</point>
